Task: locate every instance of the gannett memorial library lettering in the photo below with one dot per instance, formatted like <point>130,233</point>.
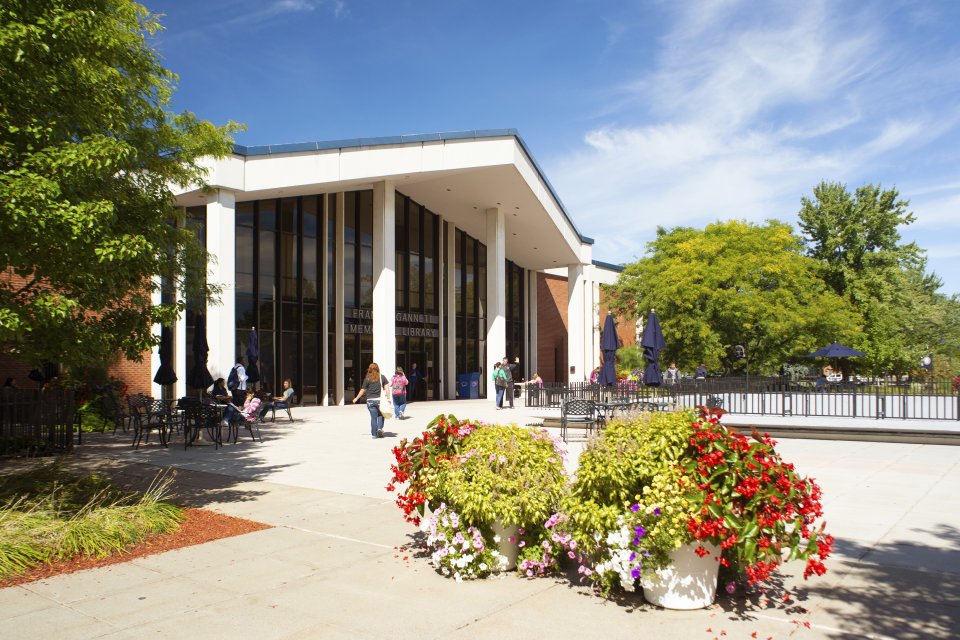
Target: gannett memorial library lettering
<point>445,250</point>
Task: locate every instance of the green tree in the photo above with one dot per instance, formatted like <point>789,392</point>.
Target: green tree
<point>856,240</point>
<point>733,283</point>
<point>89,152</point>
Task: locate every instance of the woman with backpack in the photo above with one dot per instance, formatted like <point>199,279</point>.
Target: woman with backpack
<point>399,385</point>
<point>499,383</point>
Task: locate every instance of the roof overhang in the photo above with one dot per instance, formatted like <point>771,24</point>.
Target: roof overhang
<point>459,176</point>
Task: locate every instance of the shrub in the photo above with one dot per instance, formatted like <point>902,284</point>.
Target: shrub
<point>505,473</point>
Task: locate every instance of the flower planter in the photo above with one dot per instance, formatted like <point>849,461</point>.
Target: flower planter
<point>508,549</point>
<point>690,582</point>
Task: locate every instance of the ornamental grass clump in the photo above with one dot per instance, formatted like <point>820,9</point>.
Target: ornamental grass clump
<point>49,515</point>
<point>417,462</point>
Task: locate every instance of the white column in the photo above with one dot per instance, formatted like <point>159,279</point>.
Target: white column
<point>325,292</point>
<point>384,277</point>
<point>496,242</point>
<point>595,324</point>
<point>180,346</point>
<point>338,319</point>
<point>532,347</point>
<point>222,317</point>
<point>156,298</point>
<point>450,264</point>
<point>576,325</point>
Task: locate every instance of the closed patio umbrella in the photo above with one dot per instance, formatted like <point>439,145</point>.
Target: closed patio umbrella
<point>609,343</point>
<point>253,355</point>
<point>199,376</point>
<point>652,344</point>
<point>165,372</point>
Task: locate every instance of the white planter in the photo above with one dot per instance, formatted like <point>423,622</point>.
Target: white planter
<point>689,582</point>
<point>425,518</point>
<point>509,549</point>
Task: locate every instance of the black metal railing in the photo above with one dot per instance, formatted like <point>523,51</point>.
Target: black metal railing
<point>775,396</point>
<point>36,421</point>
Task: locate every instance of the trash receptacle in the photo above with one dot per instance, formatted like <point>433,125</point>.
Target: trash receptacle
<point>474,385</point>
<point>463,385</point>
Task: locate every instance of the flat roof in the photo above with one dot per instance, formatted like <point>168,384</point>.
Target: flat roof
<point>352,143</point>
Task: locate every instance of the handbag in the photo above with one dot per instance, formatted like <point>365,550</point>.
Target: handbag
<point>385,406</point>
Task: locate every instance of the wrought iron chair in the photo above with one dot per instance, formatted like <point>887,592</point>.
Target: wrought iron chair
<point>198,418</point>
<point>158,415</point>
<point>577,413</point>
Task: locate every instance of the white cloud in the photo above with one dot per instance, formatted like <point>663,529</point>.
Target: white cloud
<point>746,109</point>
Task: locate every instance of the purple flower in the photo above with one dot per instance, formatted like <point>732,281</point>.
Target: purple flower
<point>640,531</point>
<point>731,587</point>
<point>634,508</point>
<point>635,573</point>
<point>656,511</point>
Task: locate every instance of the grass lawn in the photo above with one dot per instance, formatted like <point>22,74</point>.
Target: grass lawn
<point>48,515</point>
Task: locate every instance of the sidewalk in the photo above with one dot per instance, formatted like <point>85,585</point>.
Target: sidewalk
<point>329,567</point>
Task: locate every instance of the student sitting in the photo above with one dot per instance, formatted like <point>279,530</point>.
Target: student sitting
<point>248,412</point>
<point>280,402</point>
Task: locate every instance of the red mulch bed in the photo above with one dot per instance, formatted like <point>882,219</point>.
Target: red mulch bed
<point>197,527</point>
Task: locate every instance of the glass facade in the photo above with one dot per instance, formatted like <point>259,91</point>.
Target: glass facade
<point>516,316</point>
<point>418,319</point>
<point>287,272</point>
<point>470,294</point>
<point>278,242</point>
<point>196,220</point>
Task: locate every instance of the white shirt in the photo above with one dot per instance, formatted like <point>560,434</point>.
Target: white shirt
<point>242,376</point>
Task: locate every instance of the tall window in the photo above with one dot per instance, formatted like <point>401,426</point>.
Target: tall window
<point>196,304</point>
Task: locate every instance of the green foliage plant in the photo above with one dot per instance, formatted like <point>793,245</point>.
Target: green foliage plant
<point>614,469</point>
<point>506,474</point>
<point>90,154</point>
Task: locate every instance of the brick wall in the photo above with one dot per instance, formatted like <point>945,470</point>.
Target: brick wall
<point>626,327</point>
<point>135,374</point>
<point>552,327</point>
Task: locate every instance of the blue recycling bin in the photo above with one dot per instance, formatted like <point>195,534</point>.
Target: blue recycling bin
<point>474,379</point>
<point>463,385</point>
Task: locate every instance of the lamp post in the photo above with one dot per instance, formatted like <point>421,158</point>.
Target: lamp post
<point>740,351</point>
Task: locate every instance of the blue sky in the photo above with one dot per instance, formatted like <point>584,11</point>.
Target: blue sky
<point>641,113</point>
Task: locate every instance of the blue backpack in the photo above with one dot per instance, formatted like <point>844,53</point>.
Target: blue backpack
<point>233,380</point>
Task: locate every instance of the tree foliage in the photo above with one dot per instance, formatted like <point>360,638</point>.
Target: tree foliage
<point>88,153</point>
<point>733,283</point>
<point>856,240</point>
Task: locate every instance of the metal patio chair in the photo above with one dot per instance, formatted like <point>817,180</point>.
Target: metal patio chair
<point>577,413</point>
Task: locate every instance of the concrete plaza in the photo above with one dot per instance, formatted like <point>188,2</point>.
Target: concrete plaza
<point>332,565</point>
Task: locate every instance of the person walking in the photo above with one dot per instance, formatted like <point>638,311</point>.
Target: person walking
<point>399,384</point>
<point>374,383</point>
<point>237,381</point>
<point>508,374</point>
<point>413,378</point>
<point>499,383</point>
